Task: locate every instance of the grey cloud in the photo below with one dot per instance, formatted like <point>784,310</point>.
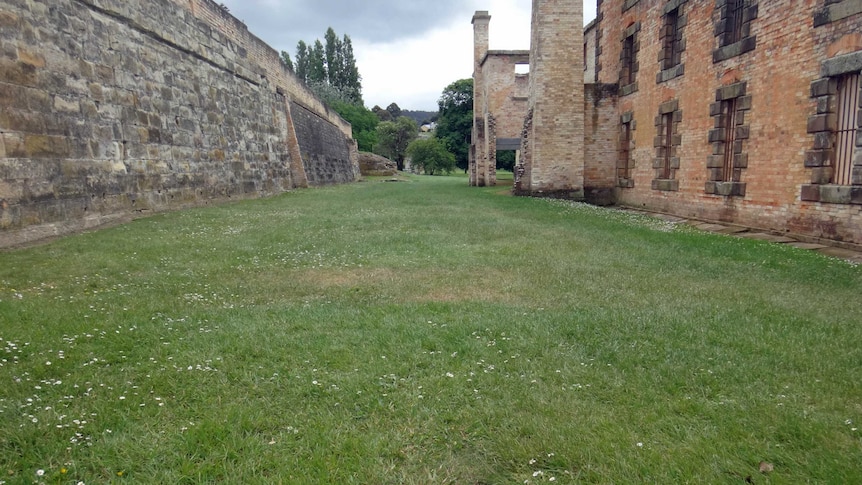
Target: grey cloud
<point>282,23</point>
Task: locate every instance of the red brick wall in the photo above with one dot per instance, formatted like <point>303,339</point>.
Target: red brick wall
<point>777,74</point>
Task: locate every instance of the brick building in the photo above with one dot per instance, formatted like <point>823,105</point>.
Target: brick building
<point>742,111</point>
<point>739,111</point>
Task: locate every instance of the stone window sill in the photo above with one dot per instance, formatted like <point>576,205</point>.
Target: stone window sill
<point>832,194</point>
<point>625,183</point>
<point>665,185</point>
<point>746,44</point>
<point>726,189</point>
<point>628,89</point>
<point>670,73</point>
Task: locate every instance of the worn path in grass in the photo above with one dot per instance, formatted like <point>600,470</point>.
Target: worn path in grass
<point>426,332</point>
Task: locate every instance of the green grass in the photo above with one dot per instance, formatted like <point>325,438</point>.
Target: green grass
<point>425,332</point>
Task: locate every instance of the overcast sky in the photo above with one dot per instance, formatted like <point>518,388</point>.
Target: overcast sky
<point>407,51</point>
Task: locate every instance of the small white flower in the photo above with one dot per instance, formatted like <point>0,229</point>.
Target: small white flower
<point>40,472</point>
<point>640,445</point>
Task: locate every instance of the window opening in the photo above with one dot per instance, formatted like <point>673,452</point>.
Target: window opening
<point>667,124</point>
<point>672,40</point>
<point>735,9</point>
<point>848,103</point>
<point>627,75</point>
<point>625,151</point>
<point>728,108</point>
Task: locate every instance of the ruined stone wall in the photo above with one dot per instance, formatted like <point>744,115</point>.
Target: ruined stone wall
<point>501,86</point>
<point>769,72</point>
<point>590,42</point>
<point>556,101</point>
<point>111,108</point>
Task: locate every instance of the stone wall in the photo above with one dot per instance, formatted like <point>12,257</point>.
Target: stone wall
<point>112,108</point>
<point>767,75</point>
<point>555,166</point>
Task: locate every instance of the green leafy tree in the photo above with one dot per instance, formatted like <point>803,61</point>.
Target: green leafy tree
<point>430,156</point>
<point>381,113</point>
<point>394,110</point>
<point>363,121</point>
<point>393,138</point>
<point>455,121</point>
<point>506,160</point>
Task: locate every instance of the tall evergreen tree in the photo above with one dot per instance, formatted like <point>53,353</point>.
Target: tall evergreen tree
<point>352,81</point>
<point>332,49</point>
<point>329,68</point>
<point>285,59</point>
<point>302,61</point>
<point>317,64</point>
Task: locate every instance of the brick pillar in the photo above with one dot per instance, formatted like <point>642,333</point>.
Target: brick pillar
<point>556,101</point>
<point>479,149</point>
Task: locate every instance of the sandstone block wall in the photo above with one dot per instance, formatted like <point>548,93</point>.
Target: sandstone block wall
<point>110,108</point>
<point>555,162</point>
<point>770,71</point>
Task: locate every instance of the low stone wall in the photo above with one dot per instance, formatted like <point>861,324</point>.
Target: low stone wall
<point>114,108</point>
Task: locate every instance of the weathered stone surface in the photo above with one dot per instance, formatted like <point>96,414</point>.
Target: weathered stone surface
<point>372,165</point>
<point>154,104</point>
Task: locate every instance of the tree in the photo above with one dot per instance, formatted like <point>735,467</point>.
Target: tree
<point>285,59</point>
<point>302,61</point>
<point>351,80</point>
<point>506,160</point>
<point>333,57</point>
<point>329,69</point>
<point>363,121</point>
<point>455,122</point>
<point>430,156</point>
<point>317,63</point>
<point>394,110</point>
<point>381,113</point>
<point>393,138</point>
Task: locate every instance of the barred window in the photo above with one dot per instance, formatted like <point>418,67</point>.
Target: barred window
<point>846,133</point>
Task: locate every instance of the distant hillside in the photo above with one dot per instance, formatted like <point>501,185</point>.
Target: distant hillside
<point>420,117</point>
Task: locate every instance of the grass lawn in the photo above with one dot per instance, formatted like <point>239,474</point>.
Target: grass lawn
<point>426,332</point>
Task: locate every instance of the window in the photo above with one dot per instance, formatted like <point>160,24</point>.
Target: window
<point>834,160</point>
<point>627,73</point>
<point>628,59</point>
<point>728,114</point>
<point>734,20</point>
<point>667,143</point>
<point>624,160</point>
<point>672,43</point>
<point>845,135</point>
<point>733,29</point>
<point>728,160</point>
<point>672,54</point>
